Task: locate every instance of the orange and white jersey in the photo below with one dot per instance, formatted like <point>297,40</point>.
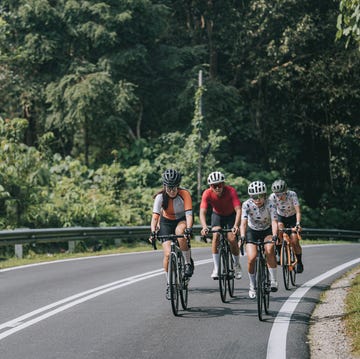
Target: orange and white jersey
<point>178,206</point>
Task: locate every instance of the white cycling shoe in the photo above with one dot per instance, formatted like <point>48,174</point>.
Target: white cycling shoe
<point>238,271</point>
<point>274,286</point>
<point>214,274</point>
<point>252,293</point>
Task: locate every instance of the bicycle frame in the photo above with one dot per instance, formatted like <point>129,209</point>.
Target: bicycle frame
<point>178,282</point>
<point>288,258</point>
<point>226,272</point>
<point>262,278</point>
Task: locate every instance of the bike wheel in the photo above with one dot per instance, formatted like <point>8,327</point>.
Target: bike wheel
<point>259,287</point>
<point>174,284</point>
<point>293,270</point>
<point>222,273</point>
<point>267,289</point>
<point>231,274</point>
<point>184,291</point>
<point>285,264</point>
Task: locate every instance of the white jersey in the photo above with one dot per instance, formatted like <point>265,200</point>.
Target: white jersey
<point>259,218</point>
<point>285,208</point>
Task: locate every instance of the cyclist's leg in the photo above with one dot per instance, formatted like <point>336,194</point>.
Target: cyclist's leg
<point>183,244</point>
<point>251,253</point>
<point>298,252</point>
<point>215,225</point>
<point>271,262</point>
<point>278,244</point>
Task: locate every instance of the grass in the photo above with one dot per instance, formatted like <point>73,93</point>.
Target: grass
<point>352,319</point>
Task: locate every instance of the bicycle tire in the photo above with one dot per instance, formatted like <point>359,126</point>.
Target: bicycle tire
<point>174,284</point>
<point>266,289</point>
<point>222,274</point>
<point>259,287</point>
<point>231,274</point>
<point>285,265</point>
<point>293,270</point>
<point>183,286</point>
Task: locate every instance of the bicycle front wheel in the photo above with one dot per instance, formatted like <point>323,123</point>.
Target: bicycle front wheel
<point>222,274</point>
<point>266,290</point>
<point>231,273</point>
<point>293,264</point>
<point>174,284</point>
<point>259,286</point>
<point>285,264</point>
<point>184,292</point>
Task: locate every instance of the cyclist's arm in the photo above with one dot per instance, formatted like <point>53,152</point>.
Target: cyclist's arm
<point>274,227</point>
<point>298,215</point>
<point>202,217</point>
<point>243,226</point>
<point>154,225</point>
<point>189,219</point>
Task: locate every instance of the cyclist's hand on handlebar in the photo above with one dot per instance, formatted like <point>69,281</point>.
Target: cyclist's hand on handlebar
<point>241,245</point>
<point>188,233</point>
<point>235,230</point>
<point>298,227</point>
<point>275,238</point>
<point>204,231</point>
<point>152,237</point>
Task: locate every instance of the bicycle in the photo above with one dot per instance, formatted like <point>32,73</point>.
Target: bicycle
<point>226,272</point>
<point>263,287</point>
<point>178,282</point>
<point>288,258</point>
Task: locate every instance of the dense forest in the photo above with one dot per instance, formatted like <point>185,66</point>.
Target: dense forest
<point>97,98</point>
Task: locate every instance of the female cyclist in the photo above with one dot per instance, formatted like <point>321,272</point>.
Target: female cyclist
<point>289,215</point>
<point>259,222</point>
<point>172,214</point>
<point>226,212</point>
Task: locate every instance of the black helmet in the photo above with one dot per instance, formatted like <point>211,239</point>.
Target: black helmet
<point>279,186</point>
<point>171,178</point>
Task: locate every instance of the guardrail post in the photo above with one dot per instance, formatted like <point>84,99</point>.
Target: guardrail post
<point>18,251</point>
<point>71,246</point>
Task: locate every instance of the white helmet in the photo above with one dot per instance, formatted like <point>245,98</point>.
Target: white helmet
<point>257,187</point>
<point>215,177</point>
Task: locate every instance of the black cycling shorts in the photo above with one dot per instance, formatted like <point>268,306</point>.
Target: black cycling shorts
<point>222,221</point>
<point>288,221</point>
<point>253,236</point>
<point>168,226</point>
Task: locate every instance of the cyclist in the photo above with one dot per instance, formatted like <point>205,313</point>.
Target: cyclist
<point>259,222</point>
<point>226,212</point>
<point>172,214</point>
<point>289,215</point>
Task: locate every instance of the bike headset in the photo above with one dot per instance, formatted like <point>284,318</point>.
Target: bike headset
<point>171,178</point>
<point>279,186</point>
<point>257,187</point>
<point>215,177</point>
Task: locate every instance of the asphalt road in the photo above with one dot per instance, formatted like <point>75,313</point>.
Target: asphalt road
<point>114,307</point>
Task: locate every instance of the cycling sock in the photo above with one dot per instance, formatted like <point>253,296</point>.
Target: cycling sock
<point>236,260</point>
<point>167,277</point>
<point>252,280</point>
<point>216,261</point>
<point>187,256</point>
<point>272,272</point>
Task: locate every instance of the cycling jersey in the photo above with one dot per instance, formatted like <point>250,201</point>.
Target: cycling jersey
<point>286,207</point>
<point>259,218</point>
<point>178,206</point>
<point>224,205</point>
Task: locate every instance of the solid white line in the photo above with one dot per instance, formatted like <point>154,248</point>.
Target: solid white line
<point>18,323</point>
<point>276,348</point>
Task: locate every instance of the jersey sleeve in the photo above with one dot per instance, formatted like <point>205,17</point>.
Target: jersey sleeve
<point>235,198</point>
<point>204,200</point>
<point>157,204</point>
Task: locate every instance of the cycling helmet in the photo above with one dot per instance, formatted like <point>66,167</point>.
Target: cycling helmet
<point>215,177</point>
<point>257,187</point>
<point>279,186</point>
<point>171,178</point>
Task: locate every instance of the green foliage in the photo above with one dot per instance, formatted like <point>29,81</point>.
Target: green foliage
<point>348,21</point>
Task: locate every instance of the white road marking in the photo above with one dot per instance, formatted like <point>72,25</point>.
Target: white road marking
<point>276,348</point>
<point>22,322</point>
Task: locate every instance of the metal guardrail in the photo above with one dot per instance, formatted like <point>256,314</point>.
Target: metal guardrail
<point>48,235</point>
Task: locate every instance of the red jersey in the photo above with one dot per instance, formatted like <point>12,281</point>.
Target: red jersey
<point>224,205</point>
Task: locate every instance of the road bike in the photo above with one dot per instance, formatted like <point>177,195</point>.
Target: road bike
<point>288,258</point>
<point>263,284</point>
<point>226,272</point>
<point>178,282</point>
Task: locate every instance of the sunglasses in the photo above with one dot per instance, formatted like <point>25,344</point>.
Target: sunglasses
<point>279,194</point>
<point>171,189</point>
<point>217,185</point>
<point>257,196</point>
